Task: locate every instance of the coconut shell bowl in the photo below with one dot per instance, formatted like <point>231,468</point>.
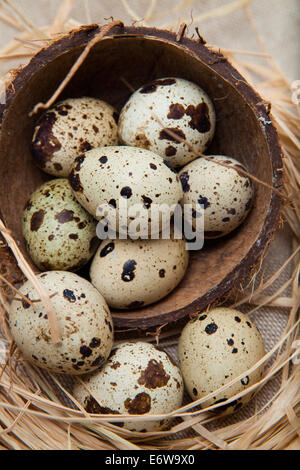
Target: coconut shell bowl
<point>138,55</point>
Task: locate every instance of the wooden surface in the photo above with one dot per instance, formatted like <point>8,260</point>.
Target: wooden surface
<point>140,55</point>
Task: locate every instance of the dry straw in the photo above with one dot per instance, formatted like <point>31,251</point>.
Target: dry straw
<point>37,410</point>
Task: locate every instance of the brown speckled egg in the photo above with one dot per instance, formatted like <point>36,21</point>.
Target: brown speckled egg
<point>70,128</point>
<point>214,348</point>
<point>226,195</point>
<point>138,379</point>
<point>59,233</point>
<point>134,273</point>
<point>168,104</point>
<point>115,175</point>
<point>84,321</point>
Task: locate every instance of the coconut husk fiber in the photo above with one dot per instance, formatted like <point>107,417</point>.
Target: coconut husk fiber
<point>37,410</point>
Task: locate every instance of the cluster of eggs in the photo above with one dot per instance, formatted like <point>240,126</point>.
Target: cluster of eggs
<point>146,155</point>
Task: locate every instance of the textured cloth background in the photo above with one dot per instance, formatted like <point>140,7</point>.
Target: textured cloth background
<point>278,22</point>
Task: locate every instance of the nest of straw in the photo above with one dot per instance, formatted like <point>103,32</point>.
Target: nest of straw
<point>37,410</point>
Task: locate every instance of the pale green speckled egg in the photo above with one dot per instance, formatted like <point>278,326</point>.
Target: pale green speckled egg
<point>58,232</point>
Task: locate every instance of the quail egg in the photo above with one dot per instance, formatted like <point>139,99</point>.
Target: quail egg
<point>166,107</point>
<point>214,348</point>
<point>135,273</point>
<point>70,128</point>
<point>84,321</point>
<point>225,195</point>
<point>59,233</point>
<point>130,180</point>
<point>138,379</point>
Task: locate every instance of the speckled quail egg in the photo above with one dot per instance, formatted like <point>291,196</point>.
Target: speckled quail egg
<point>138,379</point>
<point>134,273</point>
<point>69,128</point>
<point>225,195</point>
<point>59,233</point>
<point>168,104</point>
<point>117,175</point>
<point>214,348</point>
<point>84,321</point>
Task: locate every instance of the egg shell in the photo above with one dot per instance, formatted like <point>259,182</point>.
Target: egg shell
<point>111,175</point>
<point>226,195</point>
<point>84,322</point>
<point>135,273</point>
<point>137,379</point>
<point>214,348</point>
<point>69,128</point>
<point>168,104</point>
<point>59,233</point>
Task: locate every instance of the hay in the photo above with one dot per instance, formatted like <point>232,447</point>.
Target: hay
<point>37,410</point>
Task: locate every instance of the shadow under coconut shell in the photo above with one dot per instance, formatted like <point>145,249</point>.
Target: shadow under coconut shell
<point>140,55</point>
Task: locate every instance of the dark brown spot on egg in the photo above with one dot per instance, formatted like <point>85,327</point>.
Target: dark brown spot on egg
<point>79,160</point>
<point>153,166</point>
<point>85,351</point>
<point>170,151</point>
<point>139,405</point>
<point>142,141</point>
<point>98,361</point>
<point>57,166</point>
<point>24,303</point>
<point>95,129</point>
<point>128,270</point>
<point>184,178</point>
<point>245,380</point>
<point>93,407</point>
<point>65,216</point>
<point>126,192</point>
<point>154,376</point>
<point>202,317</point>
<point>199,117</point>
<point>95,343</point>
<point>204,202</point>
<point>162,273</point>
<point>75,182</point>
<point>165,134</point>
<point>37,220</point>
<point>176,111</point>
<point>113,203</point>
<point>103,159</point>
<point>85,146</point>
<point>147,201</point>
<point>73,236</point>
<point>69,295</point>
<point>107,249</point>
<point>211,328</point>
<point>45,144</point>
